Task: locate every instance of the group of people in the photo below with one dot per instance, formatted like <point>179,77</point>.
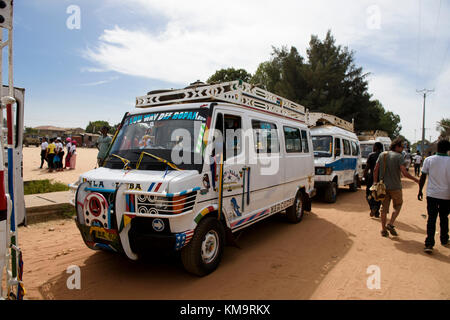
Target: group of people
<point>53,153</point>
<point>388,167</point>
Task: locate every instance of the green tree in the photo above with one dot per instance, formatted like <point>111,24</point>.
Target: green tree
<point>329,81</point>
<point>96,126</point>
<point>443,127</point>
<point>230,74</point>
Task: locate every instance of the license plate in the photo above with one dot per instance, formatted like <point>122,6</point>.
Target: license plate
<point>105,235</point>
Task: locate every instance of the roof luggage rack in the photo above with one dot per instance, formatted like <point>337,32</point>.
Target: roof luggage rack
<point>371,135</point>
<point>318,119</point>
<point>237,92</point>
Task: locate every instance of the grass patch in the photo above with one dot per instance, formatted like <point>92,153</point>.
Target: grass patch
<point>43,186</point>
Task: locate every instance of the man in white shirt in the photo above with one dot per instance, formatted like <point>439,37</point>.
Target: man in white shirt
<point>438,193</point>
<point>417,162</point>
<point>44,146</point>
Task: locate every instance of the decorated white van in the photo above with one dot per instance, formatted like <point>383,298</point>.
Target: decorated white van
<point>163,184</point>
<point>337,157</point>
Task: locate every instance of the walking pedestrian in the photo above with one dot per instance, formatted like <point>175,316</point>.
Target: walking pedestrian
<point>44,146</point>
<point>437,168</point>
<point>391,164</point>
<point>368,176</point>
<point>67,160</point>
<point>417,162</point>
<point>50,155</point>
<point>60,154</point>
<point>103,143</point>
<point>73,155</point>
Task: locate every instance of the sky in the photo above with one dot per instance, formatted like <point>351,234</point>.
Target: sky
<point>86,60</point>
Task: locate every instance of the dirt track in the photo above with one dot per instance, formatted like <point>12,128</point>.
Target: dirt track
<point>326,256</point>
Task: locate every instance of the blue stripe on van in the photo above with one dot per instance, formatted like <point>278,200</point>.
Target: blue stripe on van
<point>343,164</point>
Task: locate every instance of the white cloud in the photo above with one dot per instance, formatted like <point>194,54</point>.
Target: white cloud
<point>97,83</point>
<point>200,37</point>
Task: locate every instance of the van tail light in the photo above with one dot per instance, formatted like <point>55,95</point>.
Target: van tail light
<point>178,204</point>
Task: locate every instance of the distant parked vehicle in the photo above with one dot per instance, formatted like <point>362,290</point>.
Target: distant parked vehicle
<point>337,157</point>
<point>31,140</point>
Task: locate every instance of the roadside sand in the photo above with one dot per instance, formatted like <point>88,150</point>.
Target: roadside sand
<point>326,256</point>
<point>86,160</point>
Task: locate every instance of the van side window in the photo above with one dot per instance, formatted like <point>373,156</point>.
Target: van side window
<point>337,147</point>
<point>292,140</point>
<point>265,135</point>
<point>346,147</point>
<point>218,135</point>
<point>305,145</point>
<point>354,149</point>
<point>233,136</point>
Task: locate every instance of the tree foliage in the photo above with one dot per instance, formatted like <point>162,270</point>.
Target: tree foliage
<point>327,81</point>
<point>96,126</point>
<point>230,74</point>
<point>444,128</point>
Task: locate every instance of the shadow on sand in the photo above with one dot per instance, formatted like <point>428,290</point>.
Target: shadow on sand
<point>277,260</point>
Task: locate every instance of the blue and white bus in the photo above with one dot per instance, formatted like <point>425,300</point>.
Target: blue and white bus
<point>337,160</point>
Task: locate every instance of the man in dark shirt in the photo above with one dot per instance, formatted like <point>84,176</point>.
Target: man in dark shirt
<point>368,175</point>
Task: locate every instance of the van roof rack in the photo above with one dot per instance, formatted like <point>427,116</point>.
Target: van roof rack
<point>319,119</point>
<point>371,135</point>
<point>237,92</point>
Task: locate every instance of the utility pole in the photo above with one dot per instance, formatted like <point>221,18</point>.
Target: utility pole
<point>424,91</point>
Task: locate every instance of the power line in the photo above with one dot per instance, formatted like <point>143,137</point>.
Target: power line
<point>418,41</point>
<point>425,92</point>
<point>434,36</point>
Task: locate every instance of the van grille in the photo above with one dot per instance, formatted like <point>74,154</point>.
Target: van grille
<point>165,205</point>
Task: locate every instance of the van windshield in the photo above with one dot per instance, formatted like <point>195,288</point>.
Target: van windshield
<point>323,146</point>
<point>175,136</point>
<point>366,149</point>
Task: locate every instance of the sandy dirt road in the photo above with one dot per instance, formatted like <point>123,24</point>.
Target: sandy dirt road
<point>326,256</point>
<point>86,160</point>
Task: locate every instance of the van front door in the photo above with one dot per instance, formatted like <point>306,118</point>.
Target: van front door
<point>234,201</point>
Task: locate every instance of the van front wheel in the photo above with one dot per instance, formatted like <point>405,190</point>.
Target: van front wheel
<point>203,254</point>
<point>331,192</point>
<point>294,214</point>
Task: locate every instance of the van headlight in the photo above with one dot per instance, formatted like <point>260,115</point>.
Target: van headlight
<point>322,171</point>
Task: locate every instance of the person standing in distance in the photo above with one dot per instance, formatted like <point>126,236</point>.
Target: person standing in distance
<point>44,146</point>
<point>368,176</point>
<point>417,162</point>
<point>103,145</point>
<point>437,167</point>
<point>391,163</point>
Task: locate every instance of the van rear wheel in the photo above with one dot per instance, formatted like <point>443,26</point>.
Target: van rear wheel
<point>203,254</point>
<point>331,192</point>
<point>354,185</point>
<point>294,214</point>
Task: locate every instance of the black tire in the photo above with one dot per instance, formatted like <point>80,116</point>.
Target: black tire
<point>295,213</point>
<point>354,185</point>
<point>209,232</point>
<point>331,192</point>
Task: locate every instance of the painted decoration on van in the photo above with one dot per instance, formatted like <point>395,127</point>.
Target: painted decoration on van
<point>204,212</point>
<point>126,219</point>
<point>182,115</point>
<point>343,164</point>
<point>250,218</point>
<point>182,239</point>
<point>231,176</point>
<point>235,207</point>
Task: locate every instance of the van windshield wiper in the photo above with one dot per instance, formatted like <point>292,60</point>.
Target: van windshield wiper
<point>170,164</point>
<point>126,162</point>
